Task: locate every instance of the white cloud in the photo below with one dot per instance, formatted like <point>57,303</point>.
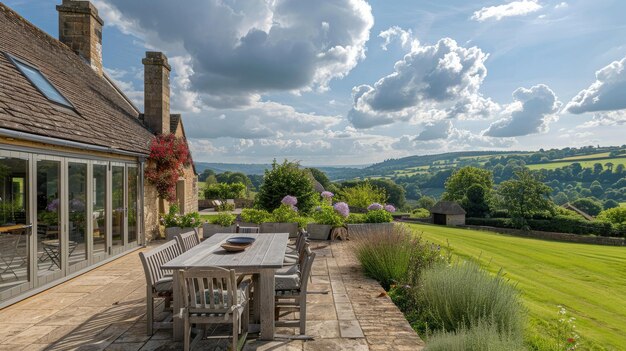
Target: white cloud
<point>511,9</point>
<point>561,5</point>
<point>455,140</point>
<point>429,78</point>
<point>241,49</point>
<point>532,112</point>
<point>435,130</point>
<point>610,118</point>
<point>404,36</point>
<point>123,80</point>
<point>607,93</point>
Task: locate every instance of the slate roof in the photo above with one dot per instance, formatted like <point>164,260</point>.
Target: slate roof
<point>102,115</point>
<point>448,208</point>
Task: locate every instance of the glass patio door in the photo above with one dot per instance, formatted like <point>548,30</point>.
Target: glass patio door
<point>100,237</point>
<point>132,205</point>
<point>77,214</point>
<point>119,229</point>
<point>15,229</point>
<point>50,249</point>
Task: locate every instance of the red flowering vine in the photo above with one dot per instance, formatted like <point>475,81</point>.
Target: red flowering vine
<point>168,156</point>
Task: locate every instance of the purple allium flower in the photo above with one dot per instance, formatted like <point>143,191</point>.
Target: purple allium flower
<point>53,206</point>
<point>289,200</point>
<point>77,205</point>
<point>390,208</point>
<point>294,208</point>
<point>342,208</point>
<point>375,206</point>
<point>327,194</point>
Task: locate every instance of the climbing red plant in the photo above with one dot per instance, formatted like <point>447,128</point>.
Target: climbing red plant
<point>168,156</point>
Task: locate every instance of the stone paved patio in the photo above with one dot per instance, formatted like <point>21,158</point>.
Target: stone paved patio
<point>105,310</point>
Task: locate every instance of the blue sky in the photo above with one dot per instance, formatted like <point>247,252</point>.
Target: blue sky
<point>353,82</point>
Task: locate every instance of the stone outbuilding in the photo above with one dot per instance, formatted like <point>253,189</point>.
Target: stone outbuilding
<point>447,213</point>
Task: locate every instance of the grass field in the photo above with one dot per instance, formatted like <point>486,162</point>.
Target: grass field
<point>588,280</point>
<point>583,157</point>
<point>585,164</point>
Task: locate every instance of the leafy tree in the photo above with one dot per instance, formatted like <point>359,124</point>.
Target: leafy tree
<point>460,181</point>
<point>426,202</point>
<point>224,191</point>
<point>597,168</point>
<point>560,198</point>
<point>205,174</point>
<point>284,179</point>
<point>608,204</point>
<point>362,194</point>
<point>588,205</point>
<point>616,215</point>
<point>256,180</point>
<point>525,195</point>
<point>413,191</point>
<point>320,177</point>
<point>609,166</point>
<point>395,193</point>
<point>619,169</point>
<point>596,189</point>
<point>475,201</point>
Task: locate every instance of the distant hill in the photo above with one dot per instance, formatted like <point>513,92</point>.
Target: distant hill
<point>259,169</point>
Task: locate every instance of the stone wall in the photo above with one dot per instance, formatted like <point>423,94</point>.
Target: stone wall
<point>80,28</point>
<point>151,212</point>
<point>455,219</point>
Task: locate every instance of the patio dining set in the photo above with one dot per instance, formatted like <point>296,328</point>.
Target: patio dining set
<point>247,279</point>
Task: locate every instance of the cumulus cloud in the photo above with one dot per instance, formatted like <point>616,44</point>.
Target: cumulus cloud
<point>532,112</point>
<point>511,9</point>
<point>240,49</point>
<point>610,118</point>
<point>455,140</point>
<point>607,93</point>
<point>260,120</point>
<point>429,77</point>
<point>405,37</point>
<point>435,130</point>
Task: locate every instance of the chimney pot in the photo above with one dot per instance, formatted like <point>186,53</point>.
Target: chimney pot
<point>157,92</point>
<point>80,28</point>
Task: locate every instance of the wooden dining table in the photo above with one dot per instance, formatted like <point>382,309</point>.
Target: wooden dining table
<point>261,259</point>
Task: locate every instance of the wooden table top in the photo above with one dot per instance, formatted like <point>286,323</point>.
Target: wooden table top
<point>9,228</point>
<point>268,251</point>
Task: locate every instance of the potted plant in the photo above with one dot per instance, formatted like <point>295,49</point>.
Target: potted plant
<point>284,218</point>
<point>326,218</point>
<point>377,216</point>
<point>176,223</point>
<point>223,222</point>
<point>252,217</point>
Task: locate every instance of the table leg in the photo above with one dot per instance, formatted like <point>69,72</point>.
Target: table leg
<point>266,302</point>
<point>256,310</point>
<point>177,305</point>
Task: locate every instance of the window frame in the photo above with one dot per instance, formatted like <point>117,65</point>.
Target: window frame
<point>17,62</point>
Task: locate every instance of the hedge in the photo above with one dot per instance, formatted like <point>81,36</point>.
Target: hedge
<point>560,224</point>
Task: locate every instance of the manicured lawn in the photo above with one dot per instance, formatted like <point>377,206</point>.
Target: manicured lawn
<point>588,280</point>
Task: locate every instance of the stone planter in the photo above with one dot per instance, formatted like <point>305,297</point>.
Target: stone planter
<point>275,227</point>
<point>171,232</point>
<point>368,227</point>
<point>318,231</point>
<point>209,229</point>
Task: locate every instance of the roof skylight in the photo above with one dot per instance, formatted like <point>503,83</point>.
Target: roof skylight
<point>41,82</point>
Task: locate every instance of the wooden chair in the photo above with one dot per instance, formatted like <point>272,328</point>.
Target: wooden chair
<point>187,240</point>
<point>212,296</point>
<point>247,230</point>
<point>159,282</point>
<point>291,293</point>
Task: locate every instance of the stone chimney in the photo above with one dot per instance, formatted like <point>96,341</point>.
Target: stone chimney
<point>80,28</point>
<point>156,92</point>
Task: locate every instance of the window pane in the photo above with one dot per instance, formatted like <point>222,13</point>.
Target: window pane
<point>13,217</point>
<point>99,209</point>
<point>42,84</point>
<point>117,174</point>
<point>132,204</point>
<point>49,250</point>
<point>77,191</point>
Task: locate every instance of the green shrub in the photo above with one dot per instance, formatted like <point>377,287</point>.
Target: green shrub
<point>463,295</point>
<point>378,216</point>
<point>225,206</point>
<point>559,224</point>
<point>361,195</point>
<point>392,255</point>
<point>481,336</point>
<point>355,218</point>
<point>420,213</point>
<point>327,215</point>
<point>252,215</point>
<point>615,215</point>
<point>303,221</point>
<point>224,219</point>
<point>284,214</point>
<point>284,179</point>
<point>224,191</point>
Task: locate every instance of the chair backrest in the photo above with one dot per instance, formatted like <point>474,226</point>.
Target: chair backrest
<point>187,240</point>
<point>305,268</point>
<point>208,290</point>
<point>154,259</point>
<point>247,230</point>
